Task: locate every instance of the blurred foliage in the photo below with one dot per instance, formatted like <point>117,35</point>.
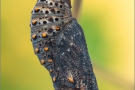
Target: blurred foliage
<point>109,30</point>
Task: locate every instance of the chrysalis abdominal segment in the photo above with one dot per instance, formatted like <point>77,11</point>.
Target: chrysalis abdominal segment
<point>60,46</point>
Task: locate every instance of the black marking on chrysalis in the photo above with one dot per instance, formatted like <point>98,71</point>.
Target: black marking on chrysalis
<point>50,19</point>
<point>50,30</point>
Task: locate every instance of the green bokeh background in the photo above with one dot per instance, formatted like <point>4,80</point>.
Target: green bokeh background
<point>109,30</point>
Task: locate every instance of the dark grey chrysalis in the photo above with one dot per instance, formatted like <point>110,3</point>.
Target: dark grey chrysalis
<point>59,43</point>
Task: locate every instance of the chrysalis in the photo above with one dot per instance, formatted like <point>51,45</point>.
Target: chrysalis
<point>59,43</point>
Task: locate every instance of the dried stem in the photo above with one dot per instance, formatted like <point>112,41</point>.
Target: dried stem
<point>77,8</point>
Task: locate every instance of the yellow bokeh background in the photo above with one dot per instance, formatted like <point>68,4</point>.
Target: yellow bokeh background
<point>109,30</point>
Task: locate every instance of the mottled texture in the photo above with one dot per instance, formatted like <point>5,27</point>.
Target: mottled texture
<point>58,41</point>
